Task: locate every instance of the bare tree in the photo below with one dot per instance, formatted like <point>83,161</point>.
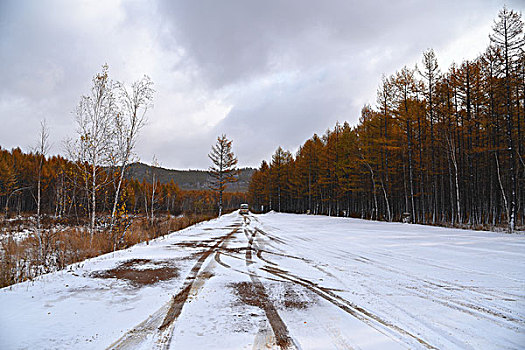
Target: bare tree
<point>93,149</point>
<point>223,170</point>
<point>42,148</point>
<point>154,180</point>
<point>128,123</point>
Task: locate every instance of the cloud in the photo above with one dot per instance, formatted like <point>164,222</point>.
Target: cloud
<point>293,68</point>
<point>266,73</point>
<point>235,40</point>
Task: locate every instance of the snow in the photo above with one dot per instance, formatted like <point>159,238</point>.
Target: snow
<point>18,236</point>
<point>328,283</point>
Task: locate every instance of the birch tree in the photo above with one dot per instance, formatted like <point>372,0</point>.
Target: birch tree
<point>154,184</point>
<point>93,148</point>
<point>42,148</point>
<point>44,238</point>
<point>128,122</point>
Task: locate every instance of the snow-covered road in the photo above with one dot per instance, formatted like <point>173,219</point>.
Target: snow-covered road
<point>282,281</point>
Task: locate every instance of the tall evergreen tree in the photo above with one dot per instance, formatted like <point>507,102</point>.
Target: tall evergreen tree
<point>508,37</point>
<point>223,170</point>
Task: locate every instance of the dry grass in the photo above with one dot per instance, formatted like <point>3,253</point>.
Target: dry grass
<point>58,245</point>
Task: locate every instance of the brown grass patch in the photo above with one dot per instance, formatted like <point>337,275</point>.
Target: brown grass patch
<point>131,272</point>
<point>57,246</point>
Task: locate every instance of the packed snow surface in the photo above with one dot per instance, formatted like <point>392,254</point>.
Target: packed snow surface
<point>282,281</point>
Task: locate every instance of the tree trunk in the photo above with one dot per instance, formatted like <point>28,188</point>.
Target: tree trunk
<point>505,203</point>
<point>93,205</point>
<point>117,191</point>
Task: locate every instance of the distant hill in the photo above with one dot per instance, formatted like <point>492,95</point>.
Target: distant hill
<point>187,179</point>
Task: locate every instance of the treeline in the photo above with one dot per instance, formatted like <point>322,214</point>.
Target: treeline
<point>440,148</point>
<point>63,192</point>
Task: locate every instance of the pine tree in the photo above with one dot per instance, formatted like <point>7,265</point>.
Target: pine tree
<point>280,160</point>
<point>508,37</point>
<point>407,87</point>
<point>223,170</point>
<point>430,73</point>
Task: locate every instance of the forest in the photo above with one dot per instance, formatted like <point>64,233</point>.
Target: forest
<point>437,148</point>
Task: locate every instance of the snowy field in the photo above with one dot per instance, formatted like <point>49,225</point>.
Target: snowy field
<point>282,281</point>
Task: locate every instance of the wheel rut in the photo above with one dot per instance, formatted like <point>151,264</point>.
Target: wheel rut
<point>436,290</point>
<point>180,299</point>
<point>280,330</point>
<point>328,294</point>
<point>160,324</point>
<point>347,306</point>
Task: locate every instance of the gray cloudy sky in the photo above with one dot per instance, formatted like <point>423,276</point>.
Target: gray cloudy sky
<point>265,73</point>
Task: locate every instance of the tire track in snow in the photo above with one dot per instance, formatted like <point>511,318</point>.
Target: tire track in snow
<point>159,326</point>
<point>165,330</point>
<point>436,294</point>
<point>403,258</point>
<point>280,330</point>
<point>218,259</point>
<point>491,312</point>
<point>329,295</point>
<point>351,308</point>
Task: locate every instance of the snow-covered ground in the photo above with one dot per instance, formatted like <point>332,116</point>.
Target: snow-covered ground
<point>282,281</point>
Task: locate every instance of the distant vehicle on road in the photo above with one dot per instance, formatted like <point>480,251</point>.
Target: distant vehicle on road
<point>245,209</point>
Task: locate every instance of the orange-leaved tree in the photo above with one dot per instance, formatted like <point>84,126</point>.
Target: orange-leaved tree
<point>224,168</point>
